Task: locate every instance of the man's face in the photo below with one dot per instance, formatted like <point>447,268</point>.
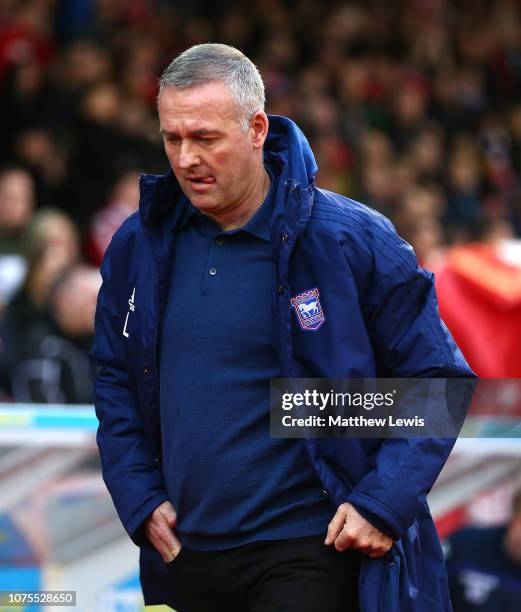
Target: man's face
<point>213,158</point>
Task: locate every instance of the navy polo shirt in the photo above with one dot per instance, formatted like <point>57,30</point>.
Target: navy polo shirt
<point>229,481</point>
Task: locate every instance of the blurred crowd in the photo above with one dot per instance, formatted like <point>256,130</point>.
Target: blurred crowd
<point>411,106</point>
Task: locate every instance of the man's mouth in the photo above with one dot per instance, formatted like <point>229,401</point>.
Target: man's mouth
<point>201,180</point>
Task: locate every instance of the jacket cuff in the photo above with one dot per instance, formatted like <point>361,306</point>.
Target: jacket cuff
<point>134,526</point>
<point>380,516</point>
<point>375,520</point>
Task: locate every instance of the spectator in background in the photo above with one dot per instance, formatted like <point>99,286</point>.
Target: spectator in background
<point>38,150</point>
<point>51,245</point>
<point>418,219</point>
<point>122,203</point>
<point>426,154</point>
<point>16,210</point>
<point>464,188</point>
<point>111,139</point>
<point>52,363</point>
<point>484,566</point>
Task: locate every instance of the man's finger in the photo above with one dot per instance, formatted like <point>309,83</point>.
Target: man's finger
<point>169,514</point>
<point>377,554</point>
<point>175,551</point>
<point>159,530</point>
<point>167,538</point>
<point>166,554</point>
<point>380,551</point>
<point>166,544</point>
<point>158,540</point>
<point>335,526</point>
<point>344,539</point>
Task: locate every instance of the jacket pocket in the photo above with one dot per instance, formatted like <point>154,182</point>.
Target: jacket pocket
<point>390,593</point>
<point>379,586</point>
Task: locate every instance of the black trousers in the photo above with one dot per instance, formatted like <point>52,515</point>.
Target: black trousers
<point>297,575</point>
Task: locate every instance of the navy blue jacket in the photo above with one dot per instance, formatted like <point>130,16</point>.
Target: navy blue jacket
<point>381,320</point>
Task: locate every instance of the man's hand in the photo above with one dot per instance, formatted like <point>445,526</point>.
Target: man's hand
<point>159,528</point>
<point>349,529</point>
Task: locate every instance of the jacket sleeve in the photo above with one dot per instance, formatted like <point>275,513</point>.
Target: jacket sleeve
<point>129,467</point>
<point>409,341</point>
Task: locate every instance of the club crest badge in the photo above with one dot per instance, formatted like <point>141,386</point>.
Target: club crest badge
<point>308,309</point>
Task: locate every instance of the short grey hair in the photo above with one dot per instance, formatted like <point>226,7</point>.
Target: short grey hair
<point>211,62</point>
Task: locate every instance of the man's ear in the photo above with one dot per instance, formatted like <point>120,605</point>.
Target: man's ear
<point>259,125</point>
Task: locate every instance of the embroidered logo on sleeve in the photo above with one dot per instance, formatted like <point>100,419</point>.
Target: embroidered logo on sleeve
<point>308,309</point>
<point>131,308</point>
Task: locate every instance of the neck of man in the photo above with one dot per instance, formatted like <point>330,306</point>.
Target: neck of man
<point>249,205</point>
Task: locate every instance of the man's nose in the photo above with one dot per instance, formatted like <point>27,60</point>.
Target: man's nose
<point>188,156</point>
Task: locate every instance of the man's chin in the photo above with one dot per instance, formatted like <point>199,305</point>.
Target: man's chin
<point>199,200</point>
<point>203,203</point>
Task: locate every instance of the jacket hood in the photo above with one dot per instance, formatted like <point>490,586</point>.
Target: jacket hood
<point>286,148</point>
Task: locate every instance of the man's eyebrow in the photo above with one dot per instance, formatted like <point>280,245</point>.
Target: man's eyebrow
<point>206,132</point>
<point>199,132</point>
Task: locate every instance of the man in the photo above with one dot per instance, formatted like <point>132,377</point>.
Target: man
<point>484,565</point>
<point>195,317</point>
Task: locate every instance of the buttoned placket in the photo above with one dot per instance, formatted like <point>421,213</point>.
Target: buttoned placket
<point>211,272</point>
